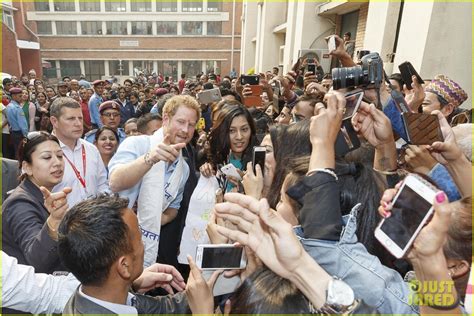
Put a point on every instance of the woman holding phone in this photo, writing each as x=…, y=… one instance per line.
x=231, y=141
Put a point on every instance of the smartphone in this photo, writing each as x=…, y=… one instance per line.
x=411, y=209
x=407, y=71
x=353, y=100
x=311, y=67
x=422, y=129
x=220, y=257
x=209, y=96
x=346, y=140
x=258, y=158
x=231, y=170
x=252, y=80
x=332, y=43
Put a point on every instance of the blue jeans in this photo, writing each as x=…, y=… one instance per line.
x=377, y=285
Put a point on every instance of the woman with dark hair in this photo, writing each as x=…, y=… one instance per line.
x=231, y=140
x=106, y=141
x=42, y=108
x=29, y=109
x=50, y=93
x=30, y=223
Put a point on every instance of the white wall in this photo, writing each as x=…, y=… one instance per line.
x=249, y=31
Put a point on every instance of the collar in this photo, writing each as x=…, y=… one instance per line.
x=15, y=103
x=32, y=189
x=77, y=147
x=119, y=309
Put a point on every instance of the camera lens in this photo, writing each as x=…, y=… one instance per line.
x=347, y=77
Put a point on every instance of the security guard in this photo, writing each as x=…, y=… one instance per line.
x=110, y=117
x=16, y=118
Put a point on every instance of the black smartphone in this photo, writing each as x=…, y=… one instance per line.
x=311, y=67
x=258, y=158
x=346, y=140
x=252, y=80
x=407, y=71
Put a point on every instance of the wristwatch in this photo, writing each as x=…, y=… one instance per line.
x=340, y=298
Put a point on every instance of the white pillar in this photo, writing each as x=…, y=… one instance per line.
x=204, y=28
x=83, y=67
x=53, y=28
x=79, y=28
x=130, y=68
x=128, y=6
x=153, y=6
x=154, y=28
x=179, y=5
x=129, y=26
x=106, y=68
x=58, y=69
x=180, y=27
x=155, y=66
x=104, y=27
x=102, y=6
x=203, y=66
x=180, y=68
x=51, y=5
x=76, y=5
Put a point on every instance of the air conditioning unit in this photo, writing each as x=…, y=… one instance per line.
x=322, y=55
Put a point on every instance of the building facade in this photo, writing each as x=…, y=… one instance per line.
x=119, y=38
x=436, y=37
x=20, y=45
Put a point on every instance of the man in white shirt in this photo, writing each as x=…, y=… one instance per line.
x=84, y=169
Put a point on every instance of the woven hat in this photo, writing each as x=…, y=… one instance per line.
x=447, y=89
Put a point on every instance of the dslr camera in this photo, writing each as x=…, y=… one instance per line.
x=369, y=72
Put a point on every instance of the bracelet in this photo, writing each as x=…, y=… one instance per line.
x=446, y=307
x=325, y=170
x=147, y=159
x=387, y=173
x=53, y=233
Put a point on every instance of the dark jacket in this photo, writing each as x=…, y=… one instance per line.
x=127, y=111
x=25, y=232
x=171, y=304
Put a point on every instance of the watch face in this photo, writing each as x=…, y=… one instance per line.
x=340, y=293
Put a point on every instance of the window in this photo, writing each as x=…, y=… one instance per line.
x=118, y=68
x=141, y=6
x=192, y=28
x=94, y=69
x=166, y=6
x=41, y=5
x=192, y=6
x=169, y=68
x=66, y=27
x=142, y=28
x=50, y=72
x=115, y=6
x=44, y=27
x=116, y=28
x=7, y=18
x=213, y=66
x=89, y=6
x=166, y=28
x=214, y=6
x=191, y=68
x=91, y=28
x=61, y=5
x=214, y=28
x=70, y=68
x=145, y=66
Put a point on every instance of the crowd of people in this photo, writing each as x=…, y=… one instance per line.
x=107, y=171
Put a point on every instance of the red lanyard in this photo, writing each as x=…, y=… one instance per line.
x=78, y=174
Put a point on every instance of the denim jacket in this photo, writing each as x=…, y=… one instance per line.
x=375, y=284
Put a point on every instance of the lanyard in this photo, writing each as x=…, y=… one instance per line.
x=78, y=174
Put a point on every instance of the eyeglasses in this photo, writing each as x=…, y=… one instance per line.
x=111, y=115
x=461, y=118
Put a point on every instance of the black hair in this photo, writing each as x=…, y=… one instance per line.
x=103, y=129
x=208, y=86
x=28, y=147
x=264, y=292
x=92, y=236
x=348, y=34
x=226, y=85
x=219, y=136
x=143, y=121
x=398, y=78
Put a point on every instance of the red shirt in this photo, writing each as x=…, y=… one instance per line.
x=85, y=112
x=181, y=84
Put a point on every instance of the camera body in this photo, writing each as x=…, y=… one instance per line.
x=370, y=72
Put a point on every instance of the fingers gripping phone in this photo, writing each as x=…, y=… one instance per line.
x=258, y=158
x=411, y=209
x=353, y=100
x=220, y=257
x=407, y=71
x=231, y=170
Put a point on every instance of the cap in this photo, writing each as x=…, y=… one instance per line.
x=15, y=90
x=109, y=105
x=447, y=89
x=97, y=82
x=62, y=84
x=161, y=91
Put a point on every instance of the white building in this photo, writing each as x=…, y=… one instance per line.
x=436, y=37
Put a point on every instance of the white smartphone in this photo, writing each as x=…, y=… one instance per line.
x=353, y=100
x=209, y=96
x=332, y=43
x=220, y=257
x=411, y=209
x=231, y=170
x=258, y=158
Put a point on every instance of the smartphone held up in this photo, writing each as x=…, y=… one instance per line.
x=220, y=257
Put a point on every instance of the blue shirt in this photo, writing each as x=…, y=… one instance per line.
x=94, y=104
x=440, y=175
x=90, y=137
x=16, y=118
x=134, y=147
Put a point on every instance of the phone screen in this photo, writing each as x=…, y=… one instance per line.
x=352, y=104
x=226, y=258
x=408, y=212
x=259, y=158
